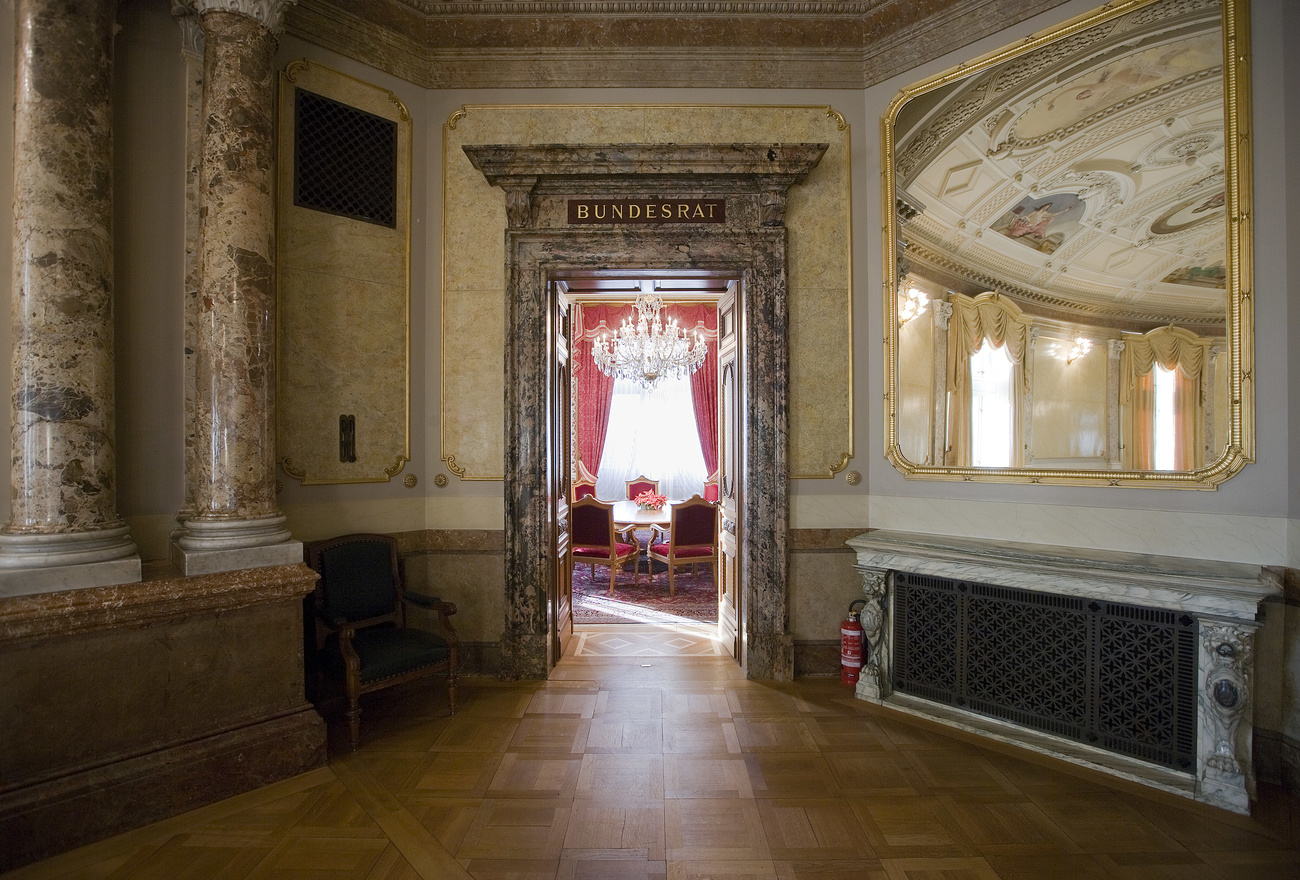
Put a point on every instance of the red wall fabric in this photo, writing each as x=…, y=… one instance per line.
x=595, y=391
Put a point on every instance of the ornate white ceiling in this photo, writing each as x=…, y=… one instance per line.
x=1086, y=177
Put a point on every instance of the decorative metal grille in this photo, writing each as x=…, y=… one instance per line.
x=1120, y=677
x=345, y=160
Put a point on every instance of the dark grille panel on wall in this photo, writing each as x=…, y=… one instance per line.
x=345, y=160
x=1116, y=676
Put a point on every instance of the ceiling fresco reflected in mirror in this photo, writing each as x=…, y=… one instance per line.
x=1069, y=294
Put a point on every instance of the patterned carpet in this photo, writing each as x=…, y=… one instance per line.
x=645, y=602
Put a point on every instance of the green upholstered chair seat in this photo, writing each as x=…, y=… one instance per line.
x=386, y=651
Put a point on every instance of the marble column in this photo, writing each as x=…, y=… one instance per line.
x=63, y=531
x=236, y=523
x=187, y=17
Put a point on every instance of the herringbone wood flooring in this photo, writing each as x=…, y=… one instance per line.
x=637, y=761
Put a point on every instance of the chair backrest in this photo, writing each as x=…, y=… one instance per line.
x=641, y=484
x=694, y=523
x=584, y=489
x=359, y=577
x=591, y=523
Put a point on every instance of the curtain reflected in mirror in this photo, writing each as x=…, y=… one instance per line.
x=1071, y=256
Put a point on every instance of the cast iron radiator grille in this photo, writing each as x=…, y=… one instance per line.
x=1120, y=677
x=345, y=160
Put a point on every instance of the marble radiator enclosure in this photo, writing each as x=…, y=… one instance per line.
x=1209, y=612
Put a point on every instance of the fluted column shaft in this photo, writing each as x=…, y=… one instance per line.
x=63, y=465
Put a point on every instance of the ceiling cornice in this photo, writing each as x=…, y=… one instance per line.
x=838, y=44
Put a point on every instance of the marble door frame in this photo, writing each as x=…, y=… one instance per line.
x=756, y=257
x=748, y=243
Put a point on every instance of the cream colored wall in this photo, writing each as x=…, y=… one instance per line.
x=342, y=298
x=1069, y=411
x=916, y=388
x=473, y=292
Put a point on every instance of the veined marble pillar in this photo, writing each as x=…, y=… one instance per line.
x=63, y=531
x=236, y=523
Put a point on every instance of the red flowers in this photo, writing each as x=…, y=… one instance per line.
x=650, y=500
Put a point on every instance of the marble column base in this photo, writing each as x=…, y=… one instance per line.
x=208, y=546
x=48, y=563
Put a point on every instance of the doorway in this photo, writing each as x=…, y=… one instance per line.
x=746, y=241
x=622, y=430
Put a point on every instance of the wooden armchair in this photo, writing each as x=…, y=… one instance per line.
x=691, y=538
x=595, y=542
x=360, y=615
x=640, y=484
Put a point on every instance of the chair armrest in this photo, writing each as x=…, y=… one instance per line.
x=658, y=534
x=628, y=534
x=433, y=603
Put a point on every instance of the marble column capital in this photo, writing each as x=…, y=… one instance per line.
x=269, y=13
x=191, y=31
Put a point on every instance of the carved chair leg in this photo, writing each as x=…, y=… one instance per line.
x=451, y=688
x=613, y=573
x=354, y=723
x=672, y=584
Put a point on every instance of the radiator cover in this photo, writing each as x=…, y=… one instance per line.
x=1117, y=676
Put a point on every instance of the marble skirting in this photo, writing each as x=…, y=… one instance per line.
x=124, y=705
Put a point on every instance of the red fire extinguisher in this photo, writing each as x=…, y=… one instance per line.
x=851, y=644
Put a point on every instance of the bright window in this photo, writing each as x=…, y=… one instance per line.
x=990, y=411
x=1166, y=425
x=653, y=434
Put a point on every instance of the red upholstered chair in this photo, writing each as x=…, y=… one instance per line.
x=594, y=540
x=584, y=489
x=692, y=538
x=711, y=487
x=641, y=484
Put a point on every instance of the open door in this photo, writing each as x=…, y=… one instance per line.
x=560, y=479
x=730, y=467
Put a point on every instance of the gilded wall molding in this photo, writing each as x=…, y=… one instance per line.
x=343, y=287
x=820, y=266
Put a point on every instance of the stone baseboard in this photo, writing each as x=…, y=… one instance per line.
x=816, y=658
x=129, y=791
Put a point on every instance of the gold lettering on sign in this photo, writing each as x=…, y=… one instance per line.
x=647, y=211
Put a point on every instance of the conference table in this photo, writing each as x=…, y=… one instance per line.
x=626, y=513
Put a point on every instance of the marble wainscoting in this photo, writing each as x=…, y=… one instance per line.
x=124, y=705
x=467, y=567
x=823, y=582
x=1223, y=598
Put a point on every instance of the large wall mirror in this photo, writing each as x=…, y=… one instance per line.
x=1069, y=299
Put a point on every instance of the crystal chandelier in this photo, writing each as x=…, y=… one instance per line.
x=650, y=349
x=911, y=304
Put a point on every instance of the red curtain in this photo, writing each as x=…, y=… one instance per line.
x=595, y=390
x=704, y=381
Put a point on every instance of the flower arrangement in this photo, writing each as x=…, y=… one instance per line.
x=650, y=500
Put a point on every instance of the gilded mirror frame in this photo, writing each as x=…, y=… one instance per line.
x=1238, y=319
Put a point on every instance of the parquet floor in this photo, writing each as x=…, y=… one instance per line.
x=637, y=761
